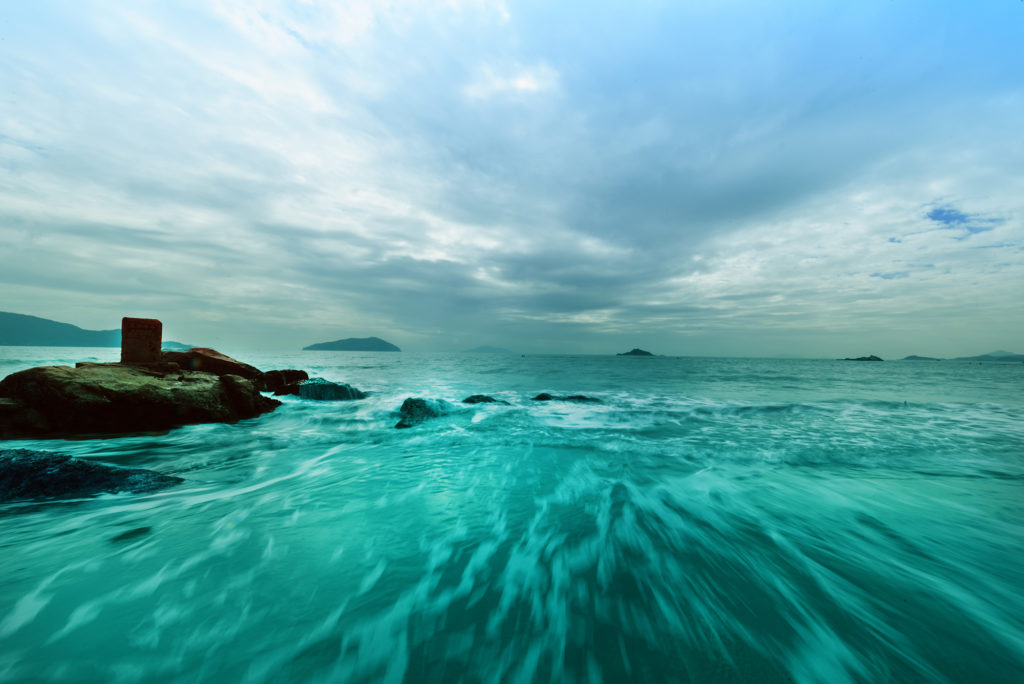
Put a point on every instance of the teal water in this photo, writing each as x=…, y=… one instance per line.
x=710, y=520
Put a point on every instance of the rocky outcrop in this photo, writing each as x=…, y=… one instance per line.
x=28, y=475
x=210, y=361
x=105, y=399
x=483, y=399
x=864, y=358
x=578, y=398
x=281, y=381
x=636, y=352
x=416, y=410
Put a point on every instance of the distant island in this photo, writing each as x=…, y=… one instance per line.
x=20, y=330
x=636, y=352
x=862, y=358
x=354, y=344
x=914, y=357
x=488, y=350
x=998, y=356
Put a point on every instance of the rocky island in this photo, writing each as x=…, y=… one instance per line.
x=862, y=358
x=354, y=344
x=636, y=352
x=149, y=390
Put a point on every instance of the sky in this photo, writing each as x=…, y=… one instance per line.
x=820, y=179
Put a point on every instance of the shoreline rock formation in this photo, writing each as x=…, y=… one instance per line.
x=27, y=475
x=148, y=391
x=635, y=351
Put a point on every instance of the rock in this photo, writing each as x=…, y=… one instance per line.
x=578, y=398
x=94, y=399
x=210, y=361
x=325, y=390
x=27, y=475
x=276, y=380
x=636, y=352
x=415, y=410
x=483, y=399
x=864, y=358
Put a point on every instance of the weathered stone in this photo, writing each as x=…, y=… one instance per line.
x=103, y=399
x=140, y=340
x=27, y=475
x=277, y=380
x=211, y=361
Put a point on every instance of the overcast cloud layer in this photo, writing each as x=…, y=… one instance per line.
x=735, y=178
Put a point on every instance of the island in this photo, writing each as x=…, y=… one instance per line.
x=636, y=352
x=998, y=356
x=354, y=344
x=914, y=357
x=862, y=358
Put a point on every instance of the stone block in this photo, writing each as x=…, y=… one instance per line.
x=140, y=340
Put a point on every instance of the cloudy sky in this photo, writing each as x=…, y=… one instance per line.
x=736, y=178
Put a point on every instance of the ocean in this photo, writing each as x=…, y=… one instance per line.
x=709, y=520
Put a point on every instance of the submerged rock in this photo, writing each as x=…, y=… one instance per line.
x=483, y=399
x=416, y=410
x=578, y=398
x=27, y=475
x=94, y=399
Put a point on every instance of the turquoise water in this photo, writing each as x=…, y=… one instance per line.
x=709, y=520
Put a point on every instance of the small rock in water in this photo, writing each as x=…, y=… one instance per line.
x=578, y=398
x=483, y=399
x=26, y=474
x=132, y=534
x=415, y=410
x=325, y=390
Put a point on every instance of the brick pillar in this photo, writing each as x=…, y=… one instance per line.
x=140, y=340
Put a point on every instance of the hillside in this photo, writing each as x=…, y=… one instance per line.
x=32, y=331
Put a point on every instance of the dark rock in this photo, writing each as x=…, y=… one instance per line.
x=132, y=534
x=636, y=352
x=579, y=398
x=277, y=380
x=94, y=399
x=210, y=361
x=483, y=399
x=325, y=390
x=27, y=475
x=415, y=410
x=864, y=358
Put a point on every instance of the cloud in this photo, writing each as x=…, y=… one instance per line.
x=547, y=177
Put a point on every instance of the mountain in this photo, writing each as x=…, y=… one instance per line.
x=354, y=344
x=488, y=350
x=996, y=356
x=32, y=331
